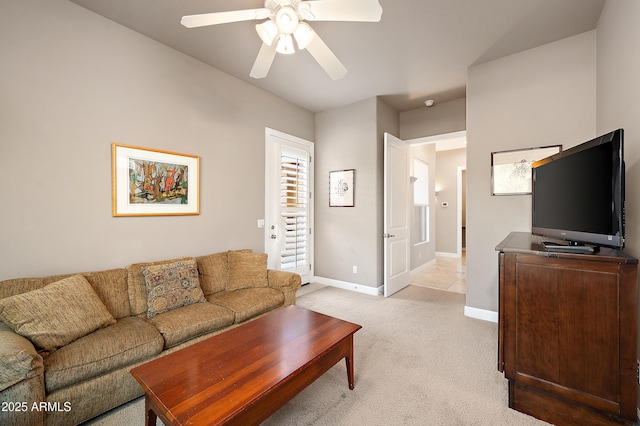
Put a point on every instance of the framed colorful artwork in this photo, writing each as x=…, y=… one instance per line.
x=151, y=182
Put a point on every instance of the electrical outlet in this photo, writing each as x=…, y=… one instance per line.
x=355, y=269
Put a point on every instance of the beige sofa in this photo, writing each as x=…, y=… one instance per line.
x=91, y=329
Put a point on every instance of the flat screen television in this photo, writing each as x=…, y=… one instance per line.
x=578, y=195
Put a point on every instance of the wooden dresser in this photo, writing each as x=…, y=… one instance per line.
x=567, y=332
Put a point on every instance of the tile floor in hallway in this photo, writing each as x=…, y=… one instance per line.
x=445, y=273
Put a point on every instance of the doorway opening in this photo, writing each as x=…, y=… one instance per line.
x=446, y=270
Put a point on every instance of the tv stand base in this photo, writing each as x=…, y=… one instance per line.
x=569, y=248
x=558, y=411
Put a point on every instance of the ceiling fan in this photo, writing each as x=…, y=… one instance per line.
x=285, y=21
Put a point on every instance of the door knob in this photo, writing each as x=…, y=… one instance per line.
x=389, y=235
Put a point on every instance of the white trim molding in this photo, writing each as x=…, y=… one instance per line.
x=480, y=314
x=444, y=142
x=373, y=291
x=449, y=254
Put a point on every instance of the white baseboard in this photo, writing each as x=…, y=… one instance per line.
x=469, y=311
x=447, y=254
x=373, y=291
x=481, y=314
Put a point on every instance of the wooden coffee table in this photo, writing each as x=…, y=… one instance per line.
x=244, y=375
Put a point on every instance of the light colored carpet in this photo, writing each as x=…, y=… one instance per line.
x=418, y=361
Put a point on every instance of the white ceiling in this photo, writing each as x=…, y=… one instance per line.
x=420, y=50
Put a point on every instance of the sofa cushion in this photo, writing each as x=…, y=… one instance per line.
x=137, y=286
x=190, y=321
x=247, y=270
x=249, y=302
x=171, y=286
x=214, y=272
x=18, y=358
x=110, y=286
x=56, y=314
x=126, y=342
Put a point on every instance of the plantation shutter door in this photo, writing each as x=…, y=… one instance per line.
x=294, y=195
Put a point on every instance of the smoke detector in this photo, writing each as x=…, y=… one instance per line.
x=429, y=102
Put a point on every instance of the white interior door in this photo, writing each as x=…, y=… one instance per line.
x=396, y=214
x=289, y=204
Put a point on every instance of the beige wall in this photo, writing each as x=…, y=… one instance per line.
x=618, y=95
x=447, y=164
x=72, y=83
x=445, y=117
x=350, y=137
x=542, y=96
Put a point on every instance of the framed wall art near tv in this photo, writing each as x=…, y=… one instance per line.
x=511, y=170
x=152, y=182
x=341, y=188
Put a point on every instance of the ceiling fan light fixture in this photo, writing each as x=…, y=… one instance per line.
x=268, y=31
x=285, y=44
x=304, y=35
x=287, y=19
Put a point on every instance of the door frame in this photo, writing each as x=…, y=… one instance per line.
x=272, y=151
x=461, y=169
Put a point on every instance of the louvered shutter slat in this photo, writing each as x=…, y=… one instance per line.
x=293, y=196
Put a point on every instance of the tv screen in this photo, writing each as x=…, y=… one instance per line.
x=578, y=194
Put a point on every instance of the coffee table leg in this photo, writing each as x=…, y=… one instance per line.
x=349, y=360
x=149, y=413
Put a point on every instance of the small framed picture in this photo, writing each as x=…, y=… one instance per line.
x=341, y=188
x=511, y=170
x=151, y=182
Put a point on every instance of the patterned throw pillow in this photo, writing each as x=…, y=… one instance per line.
x=171, y=286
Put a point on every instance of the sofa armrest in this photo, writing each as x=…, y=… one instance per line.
x=19, y=359
x=283, y=281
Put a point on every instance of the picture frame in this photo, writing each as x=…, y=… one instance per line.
x=511, y=170
x=342, y=188
x=153, y=182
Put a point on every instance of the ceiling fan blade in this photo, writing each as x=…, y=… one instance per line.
x=341, y=10
x=326, y=58
x=204, y=19
x=264, y=60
